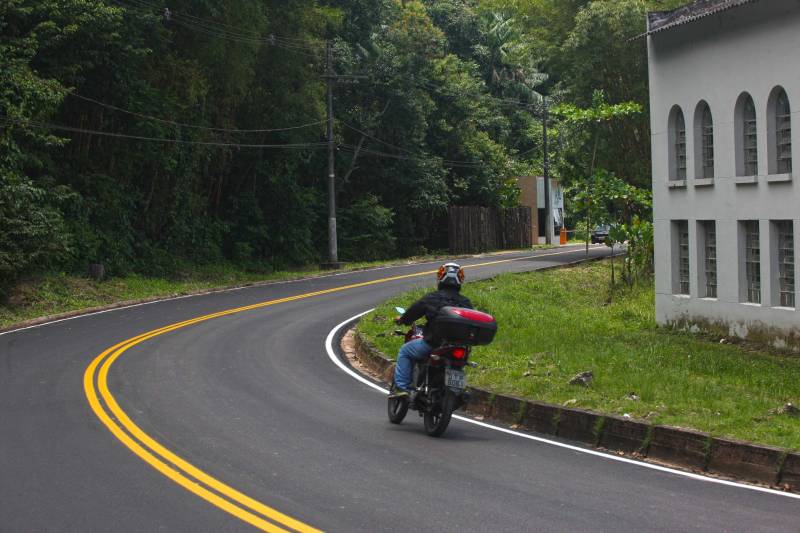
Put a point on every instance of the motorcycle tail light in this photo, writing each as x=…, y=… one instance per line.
x=459, y=353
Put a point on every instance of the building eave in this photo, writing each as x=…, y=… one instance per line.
x=658, y=21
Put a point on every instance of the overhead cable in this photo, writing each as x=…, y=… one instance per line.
x=365, y=134
x=314, y=54
x=454, y=94
x=409, y=157
x=44, y=125
x=192, y=126
x=213, y=24
x=218, y=30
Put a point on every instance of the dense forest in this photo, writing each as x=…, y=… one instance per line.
x=144, y=134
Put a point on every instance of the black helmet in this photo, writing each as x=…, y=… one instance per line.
x=450, y=275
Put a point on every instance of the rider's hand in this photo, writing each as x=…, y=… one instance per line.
x=397, y=321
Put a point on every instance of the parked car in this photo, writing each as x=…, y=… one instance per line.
x=600, y=233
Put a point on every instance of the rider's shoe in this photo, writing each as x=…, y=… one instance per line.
x=399, y=393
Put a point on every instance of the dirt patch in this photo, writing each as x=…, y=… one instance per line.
x=350, y=352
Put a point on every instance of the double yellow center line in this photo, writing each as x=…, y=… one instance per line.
x=188, y=476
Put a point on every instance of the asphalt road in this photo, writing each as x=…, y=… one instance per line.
x=251, y=400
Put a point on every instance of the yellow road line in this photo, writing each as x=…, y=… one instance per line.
x=177, y=468
x=163, y=468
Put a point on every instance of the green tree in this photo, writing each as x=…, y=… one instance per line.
x=43, y=44
x=590, y=123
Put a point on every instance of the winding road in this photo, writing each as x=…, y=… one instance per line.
x=224, y=412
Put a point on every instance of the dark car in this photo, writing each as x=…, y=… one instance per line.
x=600, y=233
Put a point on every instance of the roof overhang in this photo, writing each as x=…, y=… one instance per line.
x=658, y=21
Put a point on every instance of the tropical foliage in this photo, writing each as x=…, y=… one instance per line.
x=144, y=135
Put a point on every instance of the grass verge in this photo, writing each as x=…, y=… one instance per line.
x=555, y=324
x=53, y=294
x=59, y=293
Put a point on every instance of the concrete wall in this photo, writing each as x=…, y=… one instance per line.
x=532, y=195
x=753, y=48
x=528, y=197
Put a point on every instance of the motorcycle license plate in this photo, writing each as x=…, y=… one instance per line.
x=454, y=378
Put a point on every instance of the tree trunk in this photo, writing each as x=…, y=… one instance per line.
x=591, y=174
x=613, y=281
x=353, y=166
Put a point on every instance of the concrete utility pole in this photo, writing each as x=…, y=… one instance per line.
x=333, y=251
x=332, y=78
x=548, y=199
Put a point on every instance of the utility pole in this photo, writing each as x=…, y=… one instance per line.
x=333, y=252
x=333, y=78
x=548, y=199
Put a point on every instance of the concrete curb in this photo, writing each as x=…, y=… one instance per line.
x=676, y=447
x=129, y=303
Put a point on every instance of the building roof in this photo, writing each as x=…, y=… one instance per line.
x=664, y=20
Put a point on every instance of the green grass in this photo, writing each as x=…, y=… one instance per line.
x=52, y=294
x=553, y=325
x=58, y=293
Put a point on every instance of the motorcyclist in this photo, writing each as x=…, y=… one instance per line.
x=449, y=278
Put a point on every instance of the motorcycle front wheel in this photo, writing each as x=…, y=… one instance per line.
x=397, y=409
x=436, y=422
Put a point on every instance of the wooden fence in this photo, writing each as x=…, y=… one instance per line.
x=481, y=229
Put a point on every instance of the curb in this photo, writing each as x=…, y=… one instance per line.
x=677, y=447
x=224, y=288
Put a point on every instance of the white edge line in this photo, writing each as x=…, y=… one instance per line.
x=355, y=375
x=252, y=286
x=339, y=363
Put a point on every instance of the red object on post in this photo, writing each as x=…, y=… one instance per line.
x=563, y=235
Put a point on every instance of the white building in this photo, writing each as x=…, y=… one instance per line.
x=724, y=95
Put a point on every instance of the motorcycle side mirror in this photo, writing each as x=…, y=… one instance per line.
x=400, y=310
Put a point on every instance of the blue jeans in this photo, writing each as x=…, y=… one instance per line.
x=416, y=350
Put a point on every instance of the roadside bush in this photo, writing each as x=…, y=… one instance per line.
x=581, y=233
x=639, y=259
x=32, y=232
x=366, y=231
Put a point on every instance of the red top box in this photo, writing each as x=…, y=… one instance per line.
x=457, y=325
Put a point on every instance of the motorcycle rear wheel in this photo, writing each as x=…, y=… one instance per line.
x=436, y=422
x=397, y=409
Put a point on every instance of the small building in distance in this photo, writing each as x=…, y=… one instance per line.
x=532, y=195
x=724, y=96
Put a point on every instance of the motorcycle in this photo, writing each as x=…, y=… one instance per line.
x=439, y=382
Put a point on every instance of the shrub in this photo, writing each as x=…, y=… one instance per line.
x=367, y=231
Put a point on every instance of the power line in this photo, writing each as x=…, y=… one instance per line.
x=192, y=126
x=512, y=101
x=44, y=125
x=454, y=94
x=219, y=30
x=315, y=54
x=234, y=34
x=411, y=157
x=365, y=134
x=263, y=41
x=213, y=24
x=300, y=46
x=526, y=152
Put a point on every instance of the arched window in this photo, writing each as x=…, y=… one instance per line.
x=703, y=141
x=746, y=137
x=779, y=122
x=677, y=145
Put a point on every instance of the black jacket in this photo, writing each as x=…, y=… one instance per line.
x=430, y=304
